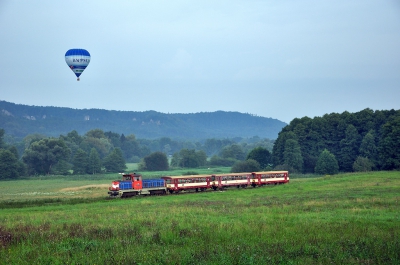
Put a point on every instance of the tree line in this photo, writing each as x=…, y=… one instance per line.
x=97, y=152
x=346, y=142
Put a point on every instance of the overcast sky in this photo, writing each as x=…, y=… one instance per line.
x=281, y=59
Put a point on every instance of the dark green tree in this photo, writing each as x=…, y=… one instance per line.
x=233, y=151
x=21, y=166
x=72, y=140
x=389, y=145
x=94, y=162
x=279, y=146
x=156, y=161
x=362, y=164
x=9, y=168
x=96, y=139
x=96, y=133
x=261, y=155
x=219, y=161
x=327, y=164
x=114, y=138
x=115, y=162
x=292, y=156
x=130, y=147
x=349, y=147
x=74, y=137
x=42, y=155
x=189, y=158
x=62, y=167
x=249, y=165
x=14, y=150
x=2, y=144
x=80, y=162
x=369, y=149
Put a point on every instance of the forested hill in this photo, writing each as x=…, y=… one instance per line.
x=21, y=120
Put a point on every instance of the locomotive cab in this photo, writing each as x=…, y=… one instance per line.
x=136, y=180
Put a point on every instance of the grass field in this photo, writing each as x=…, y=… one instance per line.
x=341, y=219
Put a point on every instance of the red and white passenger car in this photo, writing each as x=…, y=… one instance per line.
x=269, y=177
x=187, y=183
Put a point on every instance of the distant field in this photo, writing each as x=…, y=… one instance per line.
x=341, y=219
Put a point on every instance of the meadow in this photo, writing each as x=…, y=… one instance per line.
x=340, y=219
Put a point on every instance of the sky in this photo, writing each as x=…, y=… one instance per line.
x=278, y=59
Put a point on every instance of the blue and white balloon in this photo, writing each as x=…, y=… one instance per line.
x=77, y=60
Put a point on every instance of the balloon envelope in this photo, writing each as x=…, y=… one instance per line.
x=77, y=60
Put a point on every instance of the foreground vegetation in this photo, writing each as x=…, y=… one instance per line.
x=341, y=219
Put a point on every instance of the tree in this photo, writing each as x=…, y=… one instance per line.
x=292, y=155
x=349, y=147
x=72, y=140
x=261, y=155
x=80, y=162
x=213, y=146
x=96, y=133
x=369, y=149
x=233, y=151
x=2, y=144
x=362, y=164
x=279, y=146
x=326, y=164
x=42, y=155
x=389, y=145
x=219, y=161
x=114, y=138
x=9, y=168
x=21, y=166
x=94, y=162
x=102, y=145
x=156, y=161
x=249, y=165
x=114, y=162
x=62, y=167
x=189, y=158
x=130, y=147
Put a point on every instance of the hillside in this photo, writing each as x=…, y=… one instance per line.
x=20, y=120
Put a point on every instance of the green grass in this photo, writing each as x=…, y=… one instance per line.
x=341, y=219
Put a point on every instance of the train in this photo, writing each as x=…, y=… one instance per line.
x=133, y=184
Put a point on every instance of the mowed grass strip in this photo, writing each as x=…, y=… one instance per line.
x=341, y=219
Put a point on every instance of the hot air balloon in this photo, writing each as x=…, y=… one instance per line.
x=77, y=60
